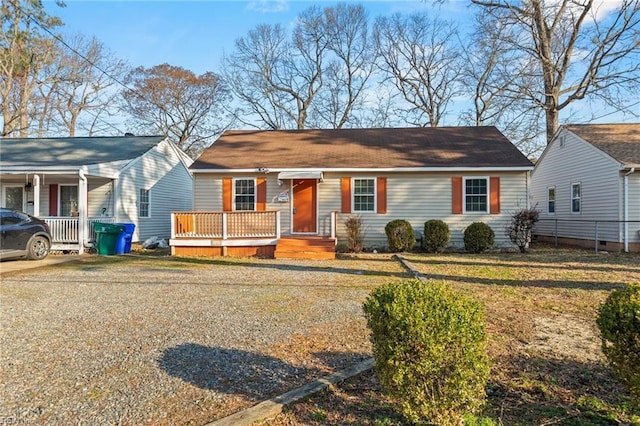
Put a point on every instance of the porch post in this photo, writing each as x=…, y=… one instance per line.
x=82, y=210
x=36, y=195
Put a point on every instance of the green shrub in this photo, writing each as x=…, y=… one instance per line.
x=478, y=237
x=436, y=236
x=521, y=227
x=355, y=233
x=400, y=235
x=429, y=346
x=619, y=323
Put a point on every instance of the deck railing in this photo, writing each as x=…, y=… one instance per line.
x=64, y=230
x=224, y=225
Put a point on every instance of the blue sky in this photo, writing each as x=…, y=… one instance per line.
x=194, y=34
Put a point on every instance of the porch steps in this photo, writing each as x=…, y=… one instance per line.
x=306, y=248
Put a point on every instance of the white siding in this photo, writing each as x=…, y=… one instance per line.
x=416, y=197
x=634, y=206
x=170, y=189
x=577, y=161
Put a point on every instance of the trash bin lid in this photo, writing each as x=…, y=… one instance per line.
x=108, y=228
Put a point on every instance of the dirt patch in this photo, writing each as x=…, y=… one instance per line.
x=565, y=336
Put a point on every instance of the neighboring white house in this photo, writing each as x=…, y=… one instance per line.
x=75, y=182
x=305, y=183
x=587, y=186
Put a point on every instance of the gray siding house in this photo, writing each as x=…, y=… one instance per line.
x=587, y=181
x=310, y=181
x=74, y=182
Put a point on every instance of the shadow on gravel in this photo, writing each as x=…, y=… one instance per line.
x=238, y=372
x=293, y=265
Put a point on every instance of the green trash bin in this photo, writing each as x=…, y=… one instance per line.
x=107, y=235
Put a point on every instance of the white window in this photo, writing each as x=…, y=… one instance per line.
x=576, y=198
x=551, y=200
x=364, y=195
x=476, y=195
x=143, y=203
x=68, y=200
x=244, y=195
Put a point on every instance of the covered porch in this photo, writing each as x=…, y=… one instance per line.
x=245, y=233
x=61, y=199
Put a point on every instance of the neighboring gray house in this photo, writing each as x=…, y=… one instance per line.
x=266, y=192
x=75, y=182
x=588, y=180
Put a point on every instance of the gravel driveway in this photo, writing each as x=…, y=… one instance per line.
x=144, y=340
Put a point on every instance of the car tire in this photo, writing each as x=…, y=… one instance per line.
x=38, y=248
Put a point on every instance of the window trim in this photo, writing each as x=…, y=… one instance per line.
x=579, y=198
x=487, y=195
x=555, y=198
x=60, y=186
x=148, y=203
x=375, y=194
x=255, y=193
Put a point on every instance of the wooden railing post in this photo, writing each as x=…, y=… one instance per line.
x=224, y=226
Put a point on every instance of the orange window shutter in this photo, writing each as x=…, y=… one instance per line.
x=53, y=199
x=382, y=195
x=261, y=201
x=456, y=191
x=346, y=195
x=227, y=194
x=494, y=197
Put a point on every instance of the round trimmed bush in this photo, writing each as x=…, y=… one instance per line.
x=400, y=235
x=436, y=236
x=429, y=346
x=478, y=237
x=619, y=324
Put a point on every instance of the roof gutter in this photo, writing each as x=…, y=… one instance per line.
x=626, y=208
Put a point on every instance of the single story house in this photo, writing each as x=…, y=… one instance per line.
x=268, y=192
x=74, y=182
x=587, y=186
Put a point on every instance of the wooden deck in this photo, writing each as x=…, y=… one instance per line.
x=244, y=233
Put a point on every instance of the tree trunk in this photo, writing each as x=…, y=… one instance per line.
x=552, y=123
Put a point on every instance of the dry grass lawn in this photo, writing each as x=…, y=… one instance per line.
x=540, y=312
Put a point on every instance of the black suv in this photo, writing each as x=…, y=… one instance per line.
x=23, y=235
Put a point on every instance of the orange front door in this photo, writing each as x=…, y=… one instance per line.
x=304, y=205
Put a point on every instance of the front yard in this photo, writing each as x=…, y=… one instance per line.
x=547, y=364
x=165, y=341
x=159, y=340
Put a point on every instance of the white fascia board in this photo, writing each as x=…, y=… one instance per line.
x=377, y=170
x=627, y=167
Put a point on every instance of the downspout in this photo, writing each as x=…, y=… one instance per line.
x=36, y=195
x=82, y=211
x=626, y=209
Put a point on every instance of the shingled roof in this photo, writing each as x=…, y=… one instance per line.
x=422, y=147
x=72, y=152
x=620, y=141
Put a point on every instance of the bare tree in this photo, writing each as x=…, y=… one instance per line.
x=83, y=82
x=488, y=75
x=173, y=101
x=420, y=55
x=578, y=51
x=275, y=79
x=350, y=66
x=24, y=52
